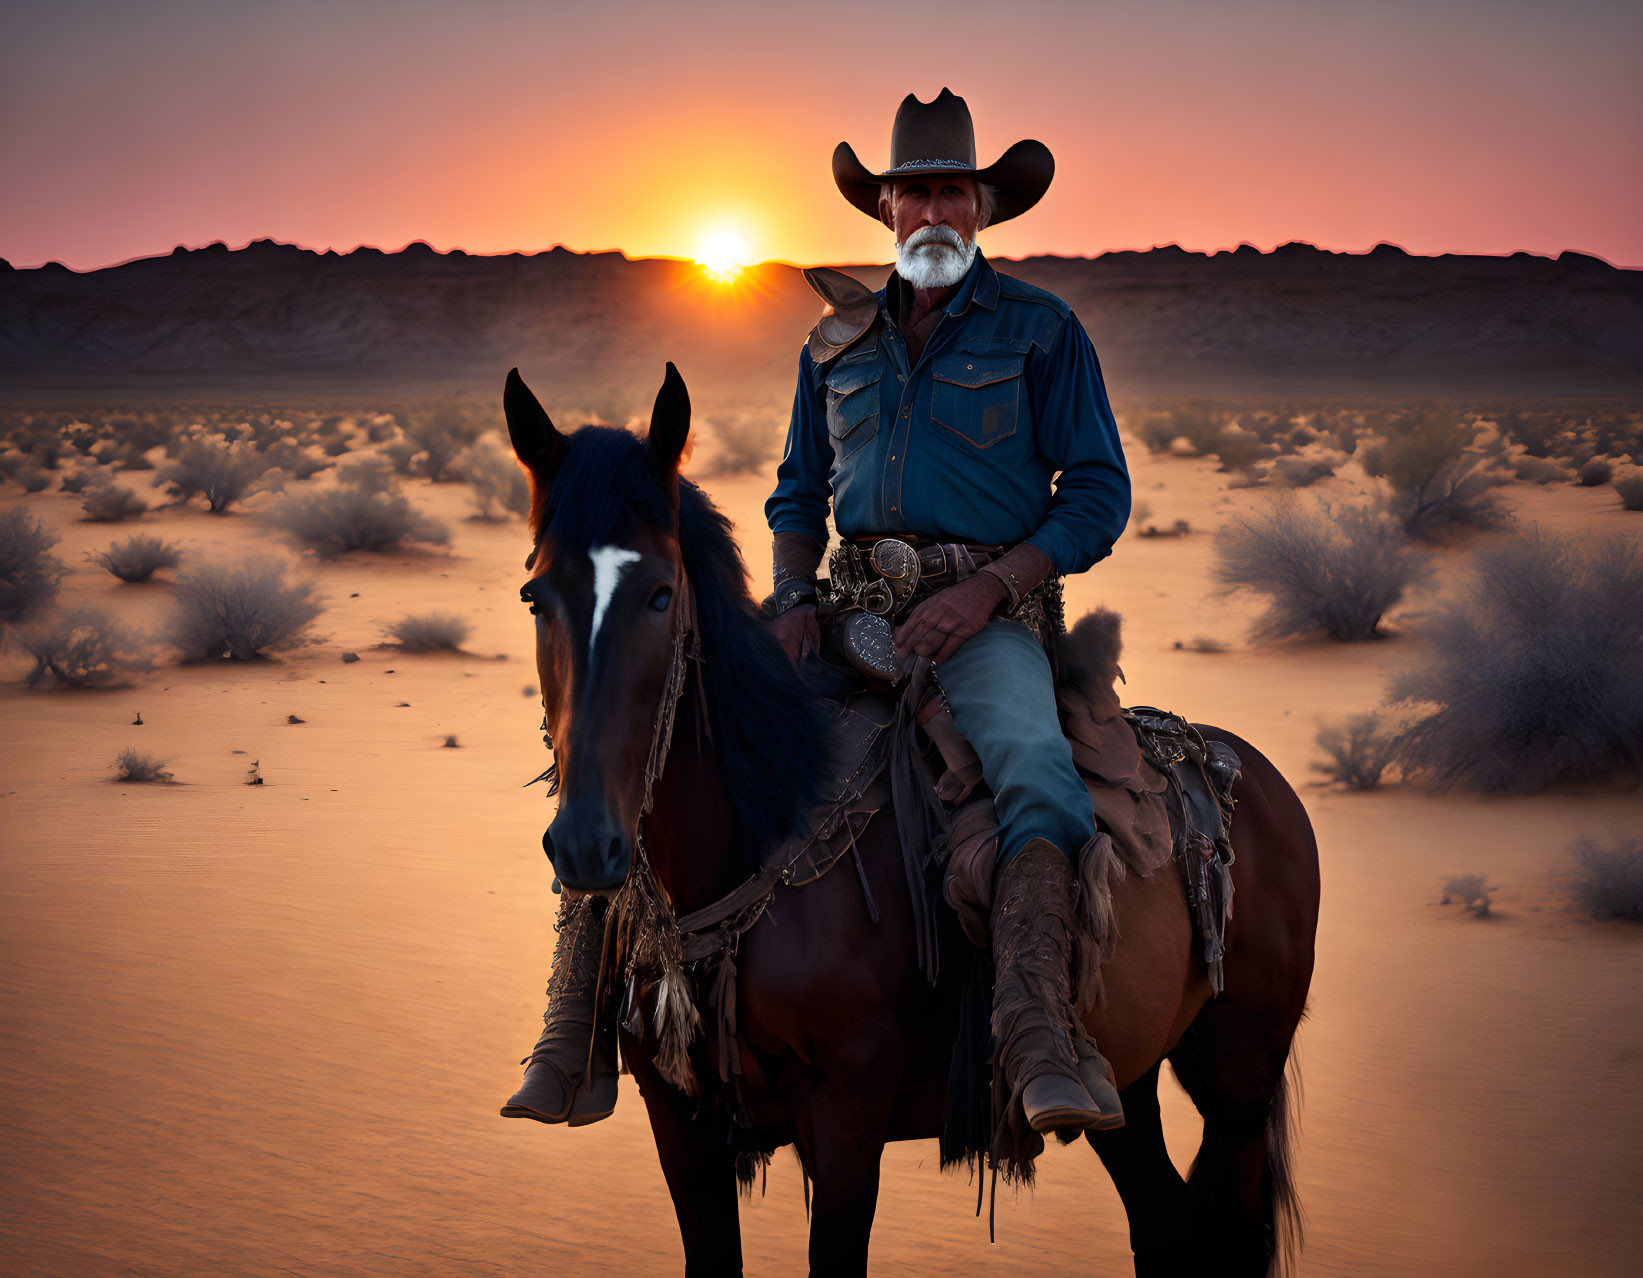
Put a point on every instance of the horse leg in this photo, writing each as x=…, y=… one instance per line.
x=1156, y=1199
x=840, y=1128
x=700, y=1167
x=1232, y=1067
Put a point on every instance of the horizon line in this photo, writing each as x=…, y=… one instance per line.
x=457, y=250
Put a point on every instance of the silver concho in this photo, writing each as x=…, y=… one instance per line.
x=898, y=566
x=869, y=646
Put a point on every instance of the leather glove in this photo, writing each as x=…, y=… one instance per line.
x=937, y=627
x=798, y=632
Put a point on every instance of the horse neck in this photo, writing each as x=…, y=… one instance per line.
x=690, y=830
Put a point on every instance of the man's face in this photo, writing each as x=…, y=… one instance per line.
x=935, y=200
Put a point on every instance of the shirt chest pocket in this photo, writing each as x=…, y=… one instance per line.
x=978, y=397
x=853, y=404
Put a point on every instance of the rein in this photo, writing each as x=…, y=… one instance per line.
x=648, y=939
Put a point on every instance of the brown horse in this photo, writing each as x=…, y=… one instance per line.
x=844, y=1043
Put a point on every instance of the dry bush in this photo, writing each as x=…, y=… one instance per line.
x=137, y=558
x=213, y=468
x=81, y=648
x=1471, y=890
x=296, y=460
x=430, y=632
x=1334, y=570
x=1157, y=432
x=76, y=482
x=1140, y=512
x=29, y=572
x=362, y=512
x=500, y=487
x=34, y=479
x=1630, y=488
x=240, y=611
x=1609, y=878
x=1440, y=477
x=1303, y=472
x=110, y=503
x=434, y=437
x=1534, y=669
x=1357, y=751
x=133, y=765
x=1595, y=473
x=1538, y=470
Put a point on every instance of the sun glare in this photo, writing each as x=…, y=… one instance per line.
x=722, y=255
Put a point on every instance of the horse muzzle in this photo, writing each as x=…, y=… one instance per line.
x=589, y=850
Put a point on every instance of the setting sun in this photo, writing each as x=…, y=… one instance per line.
x=722, y=255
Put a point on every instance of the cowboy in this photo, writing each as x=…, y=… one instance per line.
x=937, y=413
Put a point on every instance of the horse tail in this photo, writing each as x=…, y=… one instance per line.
x=1283, y=1200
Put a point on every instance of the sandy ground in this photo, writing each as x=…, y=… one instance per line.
x=266, y=1030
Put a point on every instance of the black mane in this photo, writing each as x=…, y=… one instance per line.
x=766, y=724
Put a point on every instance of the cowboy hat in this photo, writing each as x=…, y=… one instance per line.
x=938, y=137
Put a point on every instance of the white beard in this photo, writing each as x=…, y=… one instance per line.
x=930, y=259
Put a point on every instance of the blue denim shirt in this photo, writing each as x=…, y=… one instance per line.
x=964, y=446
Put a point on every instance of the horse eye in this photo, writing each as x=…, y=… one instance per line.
x=661, y=599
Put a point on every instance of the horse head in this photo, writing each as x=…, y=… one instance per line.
x=606, y=585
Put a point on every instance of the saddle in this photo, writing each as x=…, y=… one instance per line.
x=1159, y=791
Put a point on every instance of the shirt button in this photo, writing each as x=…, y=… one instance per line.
x=892, y=457
x=892, y=508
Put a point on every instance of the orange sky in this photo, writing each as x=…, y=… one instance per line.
x=499, y=125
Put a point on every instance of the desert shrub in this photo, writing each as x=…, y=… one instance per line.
x=1238, y=448
x=29, y=572
x=134, y=765
x=1630, y=488
x=434, y=436
x=240, y=611
x=1157, y=432
x=1301, y=436
x=294, y=459
x=122, y=456
x=1333, y=570
x=1471, y=890
x=1357, y=751
x=110, y=503
x=1302, y=472
x=213, y=468
x=1538, y=470
x=1609, y=878
x=1534, y=672
x=1140, y=512
x=430, y=632
x=81, y=648
x=1595, y=473
x=34, y=479
x=1440, y=477
x=498, y=480
x=77, y=481
x=138, y=558
x=362, y=512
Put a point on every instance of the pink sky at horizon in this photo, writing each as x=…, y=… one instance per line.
x=1464, y=126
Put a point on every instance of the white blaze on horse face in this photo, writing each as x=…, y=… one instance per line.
x=609, y=562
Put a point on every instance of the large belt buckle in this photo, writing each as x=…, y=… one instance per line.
x=897, y=564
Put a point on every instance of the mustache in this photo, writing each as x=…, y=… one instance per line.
x=943, y=235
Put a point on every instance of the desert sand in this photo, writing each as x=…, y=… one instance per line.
x=267, y=1029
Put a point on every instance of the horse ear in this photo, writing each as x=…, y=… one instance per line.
x=669, y=422
x=536, y=441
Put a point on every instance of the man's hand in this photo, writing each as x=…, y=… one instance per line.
x=947, y=618
x=798, y=632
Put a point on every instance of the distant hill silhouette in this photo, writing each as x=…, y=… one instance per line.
x=1294, y=321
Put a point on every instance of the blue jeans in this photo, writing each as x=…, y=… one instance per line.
x=999, y=688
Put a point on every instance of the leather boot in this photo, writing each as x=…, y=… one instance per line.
x=561, y=1085
x=1032, y=997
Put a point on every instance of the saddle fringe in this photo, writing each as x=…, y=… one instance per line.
x=1095, y=923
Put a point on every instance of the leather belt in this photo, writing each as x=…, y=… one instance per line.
x=882, y=574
